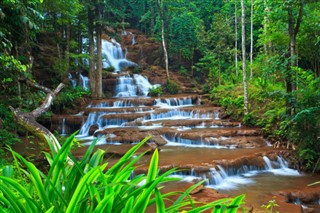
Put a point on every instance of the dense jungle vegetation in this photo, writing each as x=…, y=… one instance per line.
x=259, y=59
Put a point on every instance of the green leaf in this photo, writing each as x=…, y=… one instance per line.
x=35, y=179
x=159, y=202
x=30, y=206
x=153, y=167
x=82, y=188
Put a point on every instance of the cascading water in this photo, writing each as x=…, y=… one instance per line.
x=73, y=81
x=229, y=178
x=85, y=82
x=114, y=56
x=132, y=87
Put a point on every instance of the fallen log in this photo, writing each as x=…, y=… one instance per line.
x=28, y=119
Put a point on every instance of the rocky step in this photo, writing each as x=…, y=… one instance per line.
x=214, y=138
x=236, y=165
x=187, y=123
x=173, y=100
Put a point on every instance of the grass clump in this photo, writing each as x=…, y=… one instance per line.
x=87, y=185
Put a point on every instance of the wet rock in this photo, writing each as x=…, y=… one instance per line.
x=93, y=128
x=158, y=140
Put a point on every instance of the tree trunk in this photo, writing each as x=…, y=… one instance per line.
x=236, y=37
x=67, y=51
x=99, y=51
x=244, y=68
x=99, y=63
x=28, y=119
x=251, y=38
x=92, y=76
x=293, y=29
x=163, y=39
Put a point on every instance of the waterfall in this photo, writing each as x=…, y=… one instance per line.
x=268, y=163
x=73, y=81
x=143, y=85
x=114, y=56
x=63, y=126
x=125, y=87
x=133, y=41
x=222, y=178
x=85, y=82
x=132, y=87
x=173, y=102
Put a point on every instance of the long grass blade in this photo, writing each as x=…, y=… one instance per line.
x=82, y=187
x=143, y=201
x=129, y=205
x=35, y=179
x=153, y=167
x=235, y=204
x=125, y=158
x=59, y=162
x=14, y=201
x=159, y=202
x=22, y=191
x=105, y=205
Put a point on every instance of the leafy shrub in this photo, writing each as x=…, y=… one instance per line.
x=136, y=70
x=69, y=97
x=88, y=186
x=155, y=91
x=172, y=87
x=109, y=69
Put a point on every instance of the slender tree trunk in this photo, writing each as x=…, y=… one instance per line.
x=265, y=26
x=251, y=38
x=244, y=68
x=92, y=76
x=79, y=45
x=163, y=39
x=293, y=29
x=67, y=50
x=236, y=37
x=99, y=55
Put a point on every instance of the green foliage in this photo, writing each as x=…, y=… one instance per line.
x=89, y=186
x=155, y=91
x=60, y=68
x=7, y=129
x=172, y=87
x=69, y=98
x=269, y=207
x=109, y=69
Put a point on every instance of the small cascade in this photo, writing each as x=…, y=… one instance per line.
x=85, y=82
x=217, y=115
x=132, y=87
x=93, y=118
x=73, y=81
x=133, y=41
x=114, y=56
x=177, y=114
x=63, y=127
x=222, y=178
x=143, y=85
x=177, y=140
x=173, y=102
x=125, y=87
x=123, y=103
x=267, y=162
